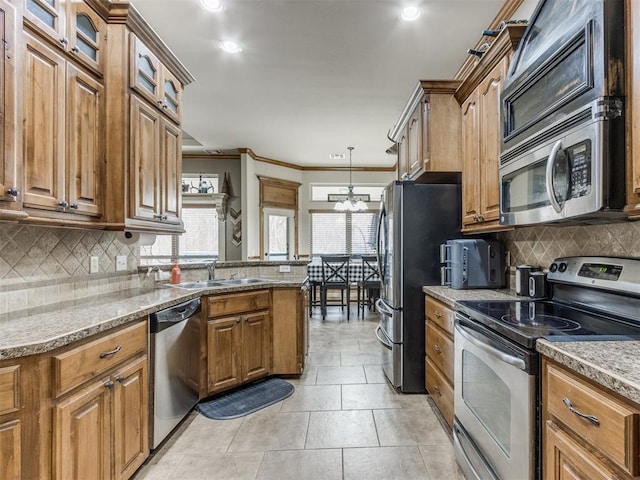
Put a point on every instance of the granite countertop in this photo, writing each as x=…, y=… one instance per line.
x=612, y=364
x=43, y=329
x=450, y=296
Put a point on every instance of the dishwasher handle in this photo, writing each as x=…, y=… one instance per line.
x=168, y=317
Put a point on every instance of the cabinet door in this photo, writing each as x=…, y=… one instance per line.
x=224, y=340
x=171, y=95
x=85, y=142
x=145, y=72
x=9, y=188
x=470, y=160
x=414, y=140
x=10, y=451
x=48, y=17
x=82, y=433
x=144, y=158
x=403, y=155
x=256, y=346
x=564, y=459
x=87, y=36
x=44, y=129
x=131, y=418
x=171, y=168
x=490, y=138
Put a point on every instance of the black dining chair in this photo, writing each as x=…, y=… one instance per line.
x=369, y=283
x=335, y=276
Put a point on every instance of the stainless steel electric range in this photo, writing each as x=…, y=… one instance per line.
x=497, y=382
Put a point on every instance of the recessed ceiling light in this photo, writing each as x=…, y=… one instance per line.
x=213, y=5
x=336, y=156
x=230, y=47
x=410, y=14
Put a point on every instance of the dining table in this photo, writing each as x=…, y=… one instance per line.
x=314, y=271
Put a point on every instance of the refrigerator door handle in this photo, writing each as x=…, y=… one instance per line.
x=381, y=266
x=383, y=308
x=382, y=338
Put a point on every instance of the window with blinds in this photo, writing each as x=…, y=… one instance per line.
x=353, y=233
x=199, y=241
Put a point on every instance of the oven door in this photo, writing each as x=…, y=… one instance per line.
x=495, y=402
x=561, y=179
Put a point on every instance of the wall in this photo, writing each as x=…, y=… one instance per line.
x=43, y=265
x=541, y=244
x=220, y=166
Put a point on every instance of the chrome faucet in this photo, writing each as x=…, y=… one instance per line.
x=212, y=269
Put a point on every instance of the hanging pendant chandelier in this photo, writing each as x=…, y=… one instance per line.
x=350, y=204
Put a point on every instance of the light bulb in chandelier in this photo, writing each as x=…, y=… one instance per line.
x=350, y=204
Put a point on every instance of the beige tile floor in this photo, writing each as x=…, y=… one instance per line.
x=343, y=421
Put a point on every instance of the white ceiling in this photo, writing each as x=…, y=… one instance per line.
x=315, y=76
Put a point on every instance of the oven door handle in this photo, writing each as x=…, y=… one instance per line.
x=549, y=176
x=505, y=357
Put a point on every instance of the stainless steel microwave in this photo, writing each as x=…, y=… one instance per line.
x=562, y=112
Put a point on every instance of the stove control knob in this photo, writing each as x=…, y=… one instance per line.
x=562, y=267
x=553, y=267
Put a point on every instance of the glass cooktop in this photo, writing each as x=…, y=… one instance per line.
x=524, y=321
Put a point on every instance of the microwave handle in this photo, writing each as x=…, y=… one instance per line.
x=549, y=176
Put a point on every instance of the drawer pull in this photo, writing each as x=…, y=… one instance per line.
x=437, y=314
x=592, y=418
x=437, y=349
x=111, y=352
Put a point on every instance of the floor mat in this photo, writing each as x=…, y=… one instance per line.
x=246, y=400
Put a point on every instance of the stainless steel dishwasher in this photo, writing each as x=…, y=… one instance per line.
x=175, y=348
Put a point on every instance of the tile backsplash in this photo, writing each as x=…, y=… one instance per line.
x=540, y=245
x=43, y=265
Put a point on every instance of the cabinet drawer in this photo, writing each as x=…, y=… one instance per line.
x=237, y=302
x=9, y=389
x=616, y=435
x=82, y=363
x=440, y=350
x=441, y=391
x=440, y=314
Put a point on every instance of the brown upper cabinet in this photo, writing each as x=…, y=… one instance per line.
x=428, y=132
x=479, y=97
x=145, y=87
x=10, y=188
x=74, y=27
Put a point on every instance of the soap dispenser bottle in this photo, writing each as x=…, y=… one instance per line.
x=175, y=273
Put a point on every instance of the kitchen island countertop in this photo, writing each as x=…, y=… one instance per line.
x=42, y=329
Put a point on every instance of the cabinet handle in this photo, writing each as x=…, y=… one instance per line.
x=74, y=206
x=13, y=191
x=592, y=418
x=75, y=49
x=64, y=41
x=238, y=320
x=120, y=378
x=109, y=384
x=111, y=352
x=160, y=217
x=63, y=204
x=437, y=349
x=437, y=314
x=437, y=390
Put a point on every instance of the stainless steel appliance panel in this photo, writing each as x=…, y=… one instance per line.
x=415, y=220
x=174, y=353
x=495, y=400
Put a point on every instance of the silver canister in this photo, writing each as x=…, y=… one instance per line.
x=522, y=278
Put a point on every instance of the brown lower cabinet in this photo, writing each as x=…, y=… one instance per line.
x=606, y=446
x=238, y=344
x=439, y=355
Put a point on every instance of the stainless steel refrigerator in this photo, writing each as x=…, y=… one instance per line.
x=414, y=220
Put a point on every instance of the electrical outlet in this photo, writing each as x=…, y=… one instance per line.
x=121, y=262
x=285, y=268
x=94, y=265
